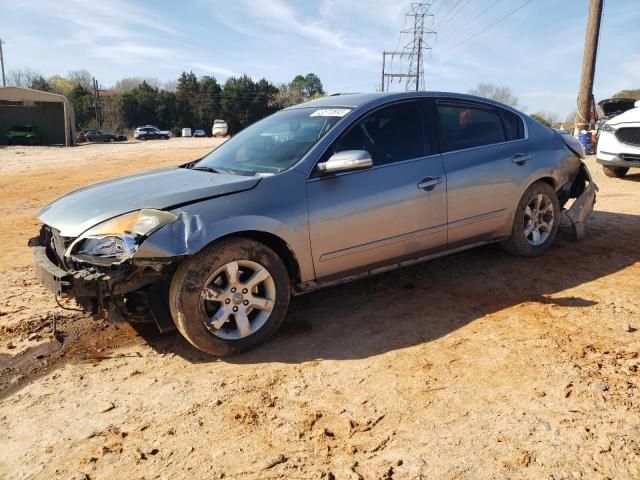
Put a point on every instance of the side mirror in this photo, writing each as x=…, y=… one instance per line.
x=345, y=161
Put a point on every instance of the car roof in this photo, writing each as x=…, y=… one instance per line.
x=355, y=100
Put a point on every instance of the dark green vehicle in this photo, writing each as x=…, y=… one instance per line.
x=23, y=135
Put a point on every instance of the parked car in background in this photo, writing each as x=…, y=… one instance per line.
x=101, y=136
x=619, y=143
x=23, y=135
x=199, y=133
x=151, y=133
x=220, y=128
x=324, y=192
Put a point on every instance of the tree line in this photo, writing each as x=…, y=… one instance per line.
x=190, y=101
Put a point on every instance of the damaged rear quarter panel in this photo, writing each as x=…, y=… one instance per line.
x=203, y=222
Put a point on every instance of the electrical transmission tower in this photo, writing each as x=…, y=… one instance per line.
x=413, y=51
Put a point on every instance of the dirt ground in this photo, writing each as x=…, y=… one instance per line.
x=475, y=366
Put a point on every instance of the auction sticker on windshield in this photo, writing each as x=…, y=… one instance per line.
x=330, y=112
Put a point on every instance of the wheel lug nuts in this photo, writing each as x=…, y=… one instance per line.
x=244, y=290
x=233, y=290
x=235, y=309
x=227, y=301
x=245, y=303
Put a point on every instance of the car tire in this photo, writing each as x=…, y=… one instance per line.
x=534, y=229
x=615, y=172
x=202, y=293
x=142, y=138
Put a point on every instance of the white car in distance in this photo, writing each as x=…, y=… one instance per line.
x=619, y=143
x=220, y=128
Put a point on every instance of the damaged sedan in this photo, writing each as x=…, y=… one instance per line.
x=324, y=192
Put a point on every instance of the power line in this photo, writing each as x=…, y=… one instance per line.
x=493, y=24
x=475, y=17
x=454, y=15
x=447, y=14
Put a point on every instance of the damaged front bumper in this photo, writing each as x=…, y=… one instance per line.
x=100, y=292
x=574, y=218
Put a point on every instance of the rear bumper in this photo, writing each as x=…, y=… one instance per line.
x=575, y=217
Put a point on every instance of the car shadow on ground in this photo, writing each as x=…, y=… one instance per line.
x=424, y=302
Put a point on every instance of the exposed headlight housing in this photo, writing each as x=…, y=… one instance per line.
x=118, y=239
x=608, y=128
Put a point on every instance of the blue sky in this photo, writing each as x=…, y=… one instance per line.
x=536, y=51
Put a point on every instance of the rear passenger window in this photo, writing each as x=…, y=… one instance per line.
x=466, y=126
x=391, y=134
x=513, y=125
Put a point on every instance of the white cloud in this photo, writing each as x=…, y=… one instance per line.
x=277, y=21
x=225, y=72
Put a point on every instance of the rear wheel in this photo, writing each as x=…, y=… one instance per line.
x=615, y=172
x=536, y=222
x=230, y=297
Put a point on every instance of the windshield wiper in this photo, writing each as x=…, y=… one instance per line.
x=213, y=170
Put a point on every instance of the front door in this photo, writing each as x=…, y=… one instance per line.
x=393, y=211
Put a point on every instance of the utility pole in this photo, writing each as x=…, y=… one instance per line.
x=4, y=82
x=413, y=50
x=585, y=97
x=96, y=102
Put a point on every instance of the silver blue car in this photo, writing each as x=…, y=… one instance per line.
x=324, y=192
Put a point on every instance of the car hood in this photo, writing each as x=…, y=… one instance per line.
x=75, y=212
x=616, y=105
x=630, y=116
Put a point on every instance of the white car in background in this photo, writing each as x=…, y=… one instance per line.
x=220, y=128
x=619, y=143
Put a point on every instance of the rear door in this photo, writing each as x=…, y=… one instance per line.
x=484, y=157
x=395, y=210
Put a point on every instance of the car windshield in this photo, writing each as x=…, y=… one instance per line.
x=274, y=144
x=22, y=128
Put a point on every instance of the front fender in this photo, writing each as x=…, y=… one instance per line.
x=189, y=234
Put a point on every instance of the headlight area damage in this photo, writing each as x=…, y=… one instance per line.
x=99, y=271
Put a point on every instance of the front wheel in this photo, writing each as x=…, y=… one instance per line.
x=536, y=222
x=615, y=172
x=230, y=297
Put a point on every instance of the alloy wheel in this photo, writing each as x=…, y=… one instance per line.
x=539, y=217
x=237, y=299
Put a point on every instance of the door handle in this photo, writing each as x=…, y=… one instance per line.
x=429, y=183
x=520, y=159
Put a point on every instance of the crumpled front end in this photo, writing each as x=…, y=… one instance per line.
x=129, y=290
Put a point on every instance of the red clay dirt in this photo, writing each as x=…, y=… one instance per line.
x=475, y=366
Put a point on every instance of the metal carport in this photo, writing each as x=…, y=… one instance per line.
x=51, y=113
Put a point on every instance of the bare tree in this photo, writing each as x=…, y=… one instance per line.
x=81, y=77
x=24, y=77
x=502, y=94
x=570, y=120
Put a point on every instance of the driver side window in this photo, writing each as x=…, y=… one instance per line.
x=390, y=134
